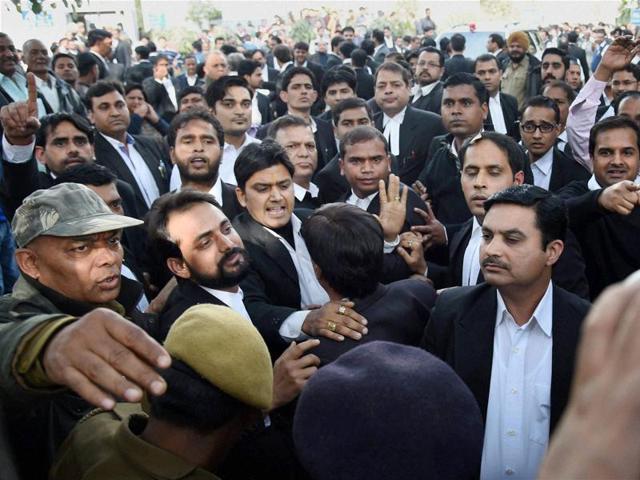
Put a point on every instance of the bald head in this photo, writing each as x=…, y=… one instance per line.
x=216, y=65
x=36, y=56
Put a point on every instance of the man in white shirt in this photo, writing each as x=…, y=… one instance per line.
x=296, y=137
x=512, y=339
x=539, y=128
x=282, y=293
x=195, y=140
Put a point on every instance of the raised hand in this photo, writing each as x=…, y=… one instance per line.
x=393, y=207
x=616, y=56
x=20, y=119
x=410, y=249
x=433, y=232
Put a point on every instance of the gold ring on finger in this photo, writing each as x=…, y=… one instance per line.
x=397, y=198
x=342, y=309
x=410, y=243
x=331, y=326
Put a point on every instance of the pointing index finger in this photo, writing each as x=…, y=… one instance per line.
x=32, y=100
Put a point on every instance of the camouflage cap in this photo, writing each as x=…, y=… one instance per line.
x=65, y=210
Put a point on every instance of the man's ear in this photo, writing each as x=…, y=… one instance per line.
x=27, y=261
x=317, y=271
x=554, y=249
x=39, y=154
x=518, y=178
x=178, y=267
x=485, y=110
x=172, y=155
x=341, y=163
x=241, y=197
x=284, y=96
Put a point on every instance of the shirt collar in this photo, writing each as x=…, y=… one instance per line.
x=593, y=184
x=223, y=295
x=495, y=100
x=545, y=162
x=216, y=190
x=295, y=225
x=476, y=226
x=117, y=143
x=427, y=89
x=542, y=315
x=299, y=191
x=398, y=117
x=353, y=198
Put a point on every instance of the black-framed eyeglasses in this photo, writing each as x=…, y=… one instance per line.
x=530, y=127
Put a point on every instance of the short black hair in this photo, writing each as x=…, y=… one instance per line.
x=542, y=102
x=158, y=58
x=346, y=243
x=87, y=174
x=572, y=36
x=301, y=46
x=346, y=48
x=395, y=68
x=463, y=78
x=368, y=46
x=618, y=101
x=611, y=123
x=631, y=68
x=378, y=35
x=58, y=56
x=282, y=53
x=458, y=42
x=129, y=87
x=411, y=54
x=339, y=74
x=349, y=28
x=551, y=212
x=292, y=72
x=188, y=91
x=49, y=123
x=256, y=157
x=497, y=39
x=158, y=216
x=433, y=50
x=506, y=144
x=566, y=88
x=350, y=104
x=143, y=52
x=556, y=51
x=486, y=57
x=94, y=36
x=86, y=61
x=286, y=121
x=362, y=134
x=335, y=41
x=101, y=88
x=247, y=67
x=227, y=49
x=182, y=119
x=444, y=43
x=358, y=58
x=217, y=90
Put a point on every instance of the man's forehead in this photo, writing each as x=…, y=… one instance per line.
x=617, y=138
x=295, y=132
x=555, y=92
x=538, y=112
x=274, y=174
x=196, y=126
x=460, y=91
x=508, y=216
x=354, y=114
x=371, y=147
x=64, y=130
x=552, y=57
x=110, y=97
x=236, y=91
x=301, y=78
x=486, y=65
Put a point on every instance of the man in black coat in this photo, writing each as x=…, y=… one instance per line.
x=539, y=129
x=464, y=109
x=489, y=165
x=503, y=108
x=143, y=69
x=428, y=91
x=281, y=287
x=578, y=53
x=513, y=339
x=299, y=93
x=457, y=62
x=347, y=115
x=346, y=245
x=99, y=42
x=408, y=130
x=603, y=211
x=364, y=79
x=140, y=161
x=301, y=59
x=161, y=89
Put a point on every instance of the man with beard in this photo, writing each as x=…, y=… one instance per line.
x=195, y=139
x=520, y=78
x=203, y=251
x=554, y=66
x=427, y=94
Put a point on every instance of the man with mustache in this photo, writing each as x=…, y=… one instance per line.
x=512, y=339
x=554, y=66
x=427, y=94
x=520, y=78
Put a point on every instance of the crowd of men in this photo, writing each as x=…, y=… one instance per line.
x=328, y=266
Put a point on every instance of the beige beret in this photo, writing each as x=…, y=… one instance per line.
x=521, y=38
x=226, y=350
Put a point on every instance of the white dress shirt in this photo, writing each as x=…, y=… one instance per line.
x=391, y=131
x=419, y=91
x=216, y=191
x=16, y=88
x=230, y=299
x=561, y=141
x=171, y=90
x=49, y=92
x=497, y=116
x=143, y=303
x=593, y=184
x=311, y=292
x=517, y=427
x=299, y=191
x=138, y=168
x=191, y=81
x=471, y=261
x=542, y=169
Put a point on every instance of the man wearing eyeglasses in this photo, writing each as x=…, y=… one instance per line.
x=539, y=129
x=427, y=93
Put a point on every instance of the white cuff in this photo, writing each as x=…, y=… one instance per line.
x=17, y=153
x=391, y=246
x=291, y=328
